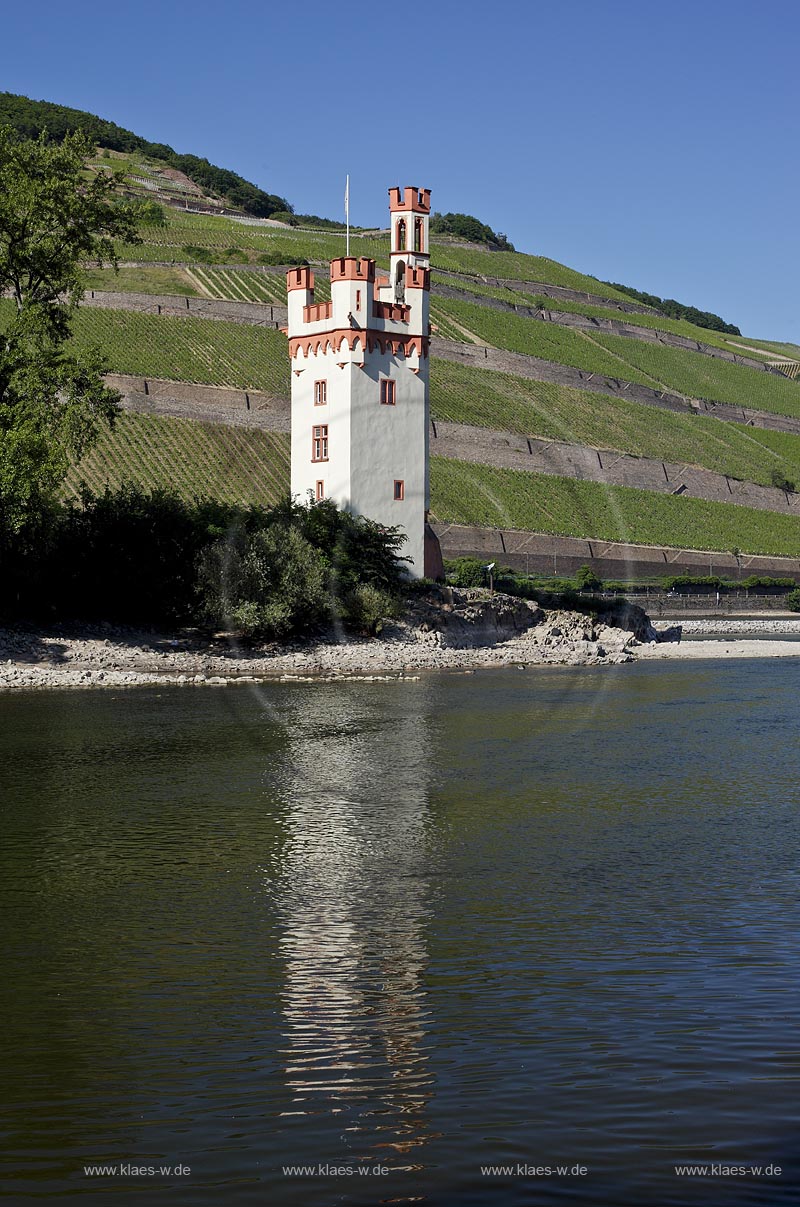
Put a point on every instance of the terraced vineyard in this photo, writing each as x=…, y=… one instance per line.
x=514, y=332
x=189, y=349
x=480, y=495
x=674, y=369
x=194, y=460
x=242, y=286
x=462, y=394
x=228, y=240
x=656, y=322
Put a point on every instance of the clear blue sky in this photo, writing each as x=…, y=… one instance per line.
x=650, y=144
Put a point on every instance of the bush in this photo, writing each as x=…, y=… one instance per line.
x=793, y=601
x=587, y=580
x=366, y=607
x=301, y=567
x=466, y=572
x=267, y=583
x=677, y=582
x=281, y=257
x=203, y=254
x=779, y=480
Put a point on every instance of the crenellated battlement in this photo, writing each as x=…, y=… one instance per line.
x=351, y=268
x=416, y=201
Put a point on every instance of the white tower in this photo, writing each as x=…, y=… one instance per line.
x=360, y=383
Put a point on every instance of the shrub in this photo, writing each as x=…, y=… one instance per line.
x=778, y=478
x=202, y=254
x=793, y=601
x=587, y=580
x=466, y=572
x=281, y=257
x=366, y=607
x=267, y=583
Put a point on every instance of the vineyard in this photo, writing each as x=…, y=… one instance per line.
x=194, y=460
x=479, y=495
x=208, y=351
x=462, y=394
x=656, y=322
x=229, y=240
x=674, y=369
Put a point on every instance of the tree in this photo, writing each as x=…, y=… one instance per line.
x=52, y=397
x=587, y=580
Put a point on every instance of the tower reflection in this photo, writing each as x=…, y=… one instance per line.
x=351, y=891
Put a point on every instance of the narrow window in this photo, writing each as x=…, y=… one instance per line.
x=320, y=393
x=319, y=442
x=388, y=398
x=401, y=235
x=418, y=235
x=358, y=299
x=320, y=490
x=399, y=489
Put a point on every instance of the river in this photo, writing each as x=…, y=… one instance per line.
x=427, y=940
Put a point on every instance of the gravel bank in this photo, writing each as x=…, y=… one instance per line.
x=461, y=630
x=466, y=631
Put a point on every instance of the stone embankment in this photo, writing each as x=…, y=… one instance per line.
x=449, y=630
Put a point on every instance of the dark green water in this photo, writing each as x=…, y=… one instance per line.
x=538, y=918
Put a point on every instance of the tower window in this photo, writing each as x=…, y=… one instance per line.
x=320, y=393
x=401, y=235
x=418, y=235
x=319, y=492
x=358, y=299
x=388, y=392
x=319, y=442
x=399, y=490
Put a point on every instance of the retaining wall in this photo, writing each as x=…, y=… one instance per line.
x=531, y=367
x=564, y=318
x=254, y=314
x=561, y=555
x=504, y=450
x=550, y=291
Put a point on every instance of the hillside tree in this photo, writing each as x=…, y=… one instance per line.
x=54, y=218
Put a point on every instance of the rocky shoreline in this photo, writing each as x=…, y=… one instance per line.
x=458, y=630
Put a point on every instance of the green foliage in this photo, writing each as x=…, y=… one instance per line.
x=270, y=582
x=306, y=566
x=32, y=118
x=277, y=257
x=200, y=254
x=149, y=212
x=766, y=580
x=467, y=227
x=587, y=580
x=466, y=572
x=793, y=601
x=366, y=607
x=668, y=306
x=688, y=582
x=52, y=400
x=778, y=479
x=127, y=555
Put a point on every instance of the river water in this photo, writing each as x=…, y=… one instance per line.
x=405, y=935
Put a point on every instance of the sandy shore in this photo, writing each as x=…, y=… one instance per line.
x=102, y=656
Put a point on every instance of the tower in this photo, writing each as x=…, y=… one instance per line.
x=360, y=383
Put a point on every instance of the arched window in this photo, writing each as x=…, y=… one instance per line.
x=400, y=282
x=401, y=235
x=418, y=235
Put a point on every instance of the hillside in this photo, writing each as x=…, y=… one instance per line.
x=563, y=408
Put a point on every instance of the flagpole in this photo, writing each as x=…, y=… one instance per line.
x=347, y=211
